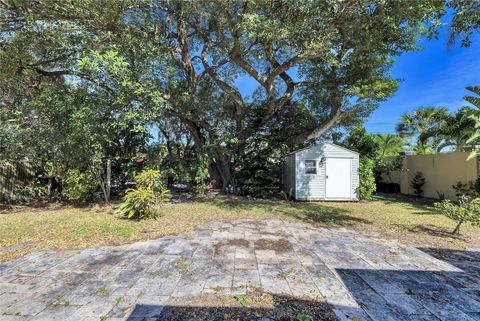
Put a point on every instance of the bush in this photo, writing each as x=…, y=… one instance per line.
x=417, y=184
x=148, y=179
x=143, y=202
x=139, y=204
x=78, y=186
x=367, y=178
x=469, y=189
x=467, y=210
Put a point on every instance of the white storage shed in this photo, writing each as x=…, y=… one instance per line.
x=322, y=172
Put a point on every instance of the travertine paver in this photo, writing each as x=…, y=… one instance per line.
x=363, y=278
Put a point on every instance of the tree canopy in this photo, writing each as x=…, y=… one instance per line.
x=315, y=65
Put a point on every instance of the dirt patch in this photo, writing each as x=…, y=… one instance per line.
x=256, y=304
x=281, y=245
x=234, y=242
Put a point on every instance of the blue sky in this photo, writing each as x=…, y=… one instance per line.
x=434, y=76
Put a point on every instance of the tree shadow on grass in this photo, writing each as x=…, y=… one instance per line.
x=423, y=206
x=305, y=211
x=431, y=230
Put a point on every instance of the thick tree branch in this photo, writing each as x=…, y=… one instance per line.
x=236, y=53
x=225, y=87
x=186, y=62
x=74, y=73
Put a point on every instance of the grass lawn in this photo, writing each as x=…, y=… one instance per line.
x=25, y=229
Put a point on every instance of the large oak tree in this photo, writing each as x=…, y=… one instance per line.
x=310, y=65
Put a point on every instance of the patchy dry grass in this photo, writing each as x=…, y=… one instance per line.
x=25, y=229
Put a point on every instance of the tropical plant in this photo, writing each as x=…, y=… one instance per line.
x=389, y=144
x=475, y=101
x=139, y=204
x=287, y=195
x=417, y=184
x=456, y=129
x=78, y=186
x=467, y=210
x=422, y=124
x=143, y=202
x=423, y=149
x=367, y=178
x=148, y=179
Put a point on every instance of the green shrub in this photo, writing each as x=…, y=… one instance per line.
x=148, y=179
x=139, y=204
x=367, y=178
x=143, y=202
x=467, y=210
x=78, y=186
x=469, y=189
x=417, y=184
x=287, y=195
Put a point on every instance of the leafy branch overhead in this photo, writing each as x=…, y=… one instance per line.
x=315, y=65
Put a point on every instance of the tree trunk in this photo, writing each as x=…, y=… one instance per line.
x=50, y=187
x=457, y=228
x=221, y=173
x=101, y=182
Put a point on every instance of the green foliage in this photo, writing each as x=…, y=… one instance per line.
x=143, y=202
x=362, y=142
x=78, y=186
x=122, y=71
x=423, y=124
x=465, y=21
x=287, y=195
x=139, y=204
x=259, y=173
x=417, y=183
x=303, y=317
x=389, y=144
x=376, y=148
x=148, y=179
x=475, y=101
x=244, y=301
x=367, y=178
x=469, y=189
x=456, y=129
x=200, y=175
x=467, y=210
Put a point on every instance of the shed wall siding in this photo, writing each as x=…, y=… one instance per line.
x=355, y=177
x=312, y=187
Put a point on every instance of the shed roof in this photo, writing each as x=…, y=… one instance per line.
x=324, y=143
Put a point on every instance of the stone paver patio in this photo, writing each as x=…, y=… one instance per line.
x=362, y=278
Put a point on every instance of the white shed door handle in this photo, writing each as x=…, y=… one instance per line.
x=326, y=176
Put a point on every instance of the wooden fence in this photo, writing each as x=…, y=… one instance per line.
x=16, y=181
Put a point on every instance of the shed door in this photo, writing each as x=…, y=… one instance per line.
x=338, y=178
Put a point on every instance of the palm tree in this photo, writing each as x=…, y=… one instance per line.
x=475, y=101
x=456, y=129
x=389, y=144
x=423, y=149
x=423, y=123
